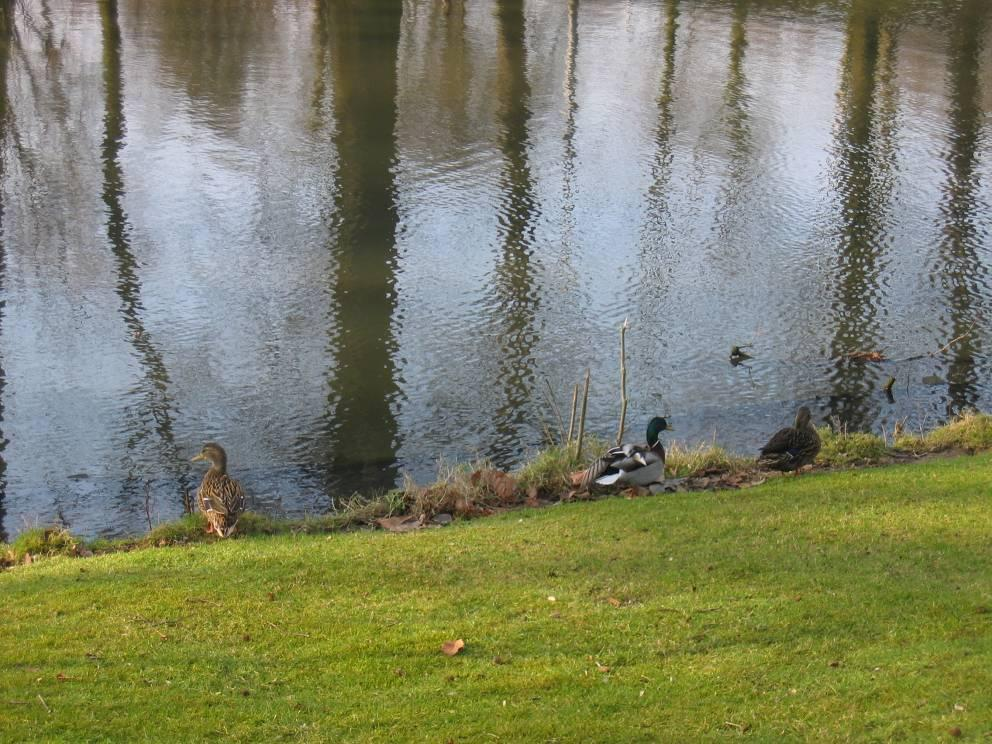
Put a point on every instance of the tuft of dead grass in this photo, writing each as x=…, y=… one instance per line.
x=971, y=431
x=465, y=490
x=683, y=461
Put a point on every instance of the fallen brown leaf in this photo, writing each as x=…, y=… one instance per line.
x=450, y=648
x=614, y=601
x=500, y=484
x=503, y=485
x=602, y=668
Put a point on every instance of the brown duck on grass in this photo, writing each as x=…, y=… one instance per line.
x=792, y=447
x=220, y=497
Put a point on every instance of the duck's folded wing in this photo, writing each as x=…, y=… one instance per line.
x=635, y=461
x=213, y=504
x=782, y=441
x=594, y=471
x=624, y=457
x=233, y=495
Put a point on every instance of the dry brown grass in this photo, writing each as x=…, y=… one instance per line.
x=682, y=460
x=971, y=431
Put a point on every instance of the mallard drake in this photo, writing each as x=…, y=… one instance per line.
x=792, y=447
x=220, y=497
x=630, y=464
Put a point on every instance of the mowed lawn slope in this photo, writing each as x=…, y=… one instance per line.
x=827, y=606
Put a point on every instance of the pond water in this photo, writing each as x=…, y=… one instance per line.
x=348, y=237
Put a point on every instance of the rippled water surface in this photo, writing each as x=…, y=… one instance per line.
x=348, y=237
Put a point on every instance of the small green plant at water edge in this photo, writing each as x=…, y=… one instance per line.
x=44, y=541
x=549, y=469
x=849, y=448
x=187, y=529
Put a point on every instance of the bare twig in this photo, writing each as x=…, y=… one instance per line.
x=953, y=341
x=571, y=420
x=557, y=411
x=942, y=349
x=623, y=383
x=200, y=600
x=277, y=627
x=582, y=417
x=43, y=703
x=148, y=504
x=549, y=436
x=152, y=625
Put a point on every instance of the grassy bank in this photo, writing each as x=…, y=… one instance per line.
x=476, y=489
x=845, y=604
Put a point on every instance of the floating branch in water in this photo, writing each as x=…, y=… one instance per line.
x=942, y=349
x=954, y=340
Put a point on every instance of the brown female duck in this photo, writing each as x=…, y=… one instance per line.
x=792, y=447
x=220, y=497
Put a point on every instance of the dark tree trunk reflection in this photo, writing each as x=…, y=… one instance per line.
x=153, y=415
x=863, y=152
x=515, y=298
x=358, y=438
x=961, y=271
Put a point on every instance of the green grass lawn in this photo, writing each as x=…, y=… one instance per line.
x=848, y=605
